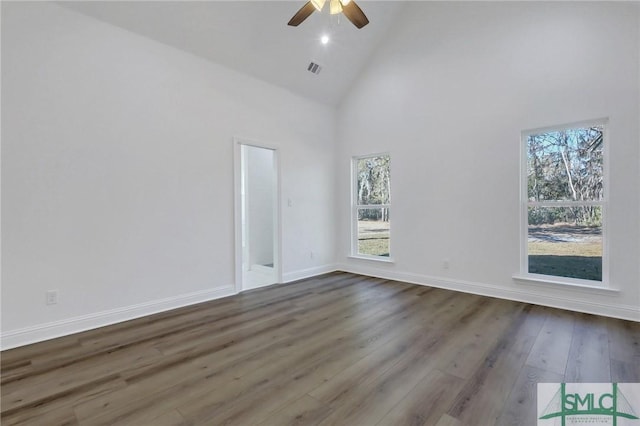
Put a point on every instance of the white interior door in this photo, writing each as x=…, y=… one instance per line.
x=257, y=216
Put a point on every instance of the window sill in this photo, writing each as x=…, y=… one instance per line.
x=381, y=259
x=537, y=279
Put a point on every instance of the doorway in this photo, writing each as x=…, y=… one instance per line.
x=257, y=215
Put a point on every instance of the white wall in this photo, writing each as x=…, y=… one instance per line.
x=448, y=94
x=260, y=185
x=117, y=180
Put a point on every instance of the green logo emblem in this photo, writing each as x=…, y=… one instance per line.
x=588, y=403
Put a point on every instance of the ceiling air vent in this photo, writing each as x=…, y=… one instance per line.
x=314, y=68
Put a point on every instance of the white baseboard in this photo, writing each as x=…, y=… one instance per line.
x=614, y=310
x=28, y=335
x=38, y=333
x=307, y=273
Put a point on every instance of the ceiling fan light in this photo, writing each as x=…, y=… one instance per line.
x=318, y=4
x=345, y=2
x=335, y=7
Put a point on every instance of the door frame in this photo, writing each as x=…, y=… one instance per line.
x=238, y=142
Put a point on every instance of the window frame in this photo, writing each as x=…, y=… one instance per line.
x=525, y=204
x=355, y=207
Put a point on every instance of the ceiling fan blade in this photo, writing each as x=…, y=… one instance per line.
x=302, y=14
x=353, y=13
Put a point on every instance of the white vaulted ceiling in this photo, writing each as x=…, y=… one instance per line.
x=253, y=37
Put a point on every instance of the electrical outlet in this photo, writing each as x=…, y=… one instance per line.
x=51, y=297
x=311, y=255
x=445, y=264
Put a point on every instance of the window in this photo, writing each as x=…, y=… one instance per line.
x=564, y=206
x=371, y=205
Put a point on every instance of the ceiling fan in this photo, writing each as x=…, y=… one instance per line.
x=348, y=7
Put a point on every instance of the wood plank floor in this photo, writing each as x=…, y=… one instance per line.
x=339, y=349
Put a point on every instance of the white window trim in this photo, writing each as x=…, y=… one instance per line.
x=524, y=274
x=353, y=254
x=549, y=280
x=382, y=259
